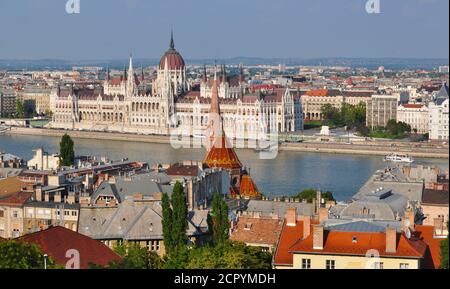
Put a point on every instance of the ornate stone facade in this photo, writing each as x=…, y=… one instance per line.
x=123, y=104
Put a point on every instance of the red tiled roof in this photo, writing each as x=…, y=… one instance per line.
x=432, y=258
x=341, y=243
x=257, y=231
x=56, y=241
x=289, y=235
x=318, y=92
x=411, y=105
x=183, y=170
x=116, y=81
x=250, y=98
x=18, y=199
x=248, y=188
x=10, y=186
x=222, y=155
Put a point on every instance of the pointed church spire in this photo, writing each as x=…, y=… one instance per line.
x=205, y=75
x=130, y=66
x=172, y=43
x=215, y=95
x=108, y=76
x=224, y=74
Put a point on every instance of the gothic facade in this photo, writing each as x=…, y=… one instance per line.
x=123, y=104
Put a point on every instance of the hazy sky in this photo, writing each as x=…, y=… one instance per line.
x=111, y=29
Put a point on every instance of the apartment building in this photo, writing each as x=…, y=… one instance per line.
x=416, y=115
x=381, y=109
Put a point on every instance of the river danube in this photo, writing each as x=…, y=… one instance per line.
x=288, y=174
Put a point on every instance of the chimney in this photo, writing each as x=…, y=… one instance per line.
x=391, y=240
x=318, y=200
x=38, y=193
x=291, y=217
x=57, y=198
x=306, y=226
x=323, y=215
x=438, y=226
x=71, y=199
x=318, y=237
x=409, y=217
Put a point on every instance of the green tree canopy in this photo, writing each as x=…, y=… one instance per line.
x=310, y=194
x=136, y=257
x=20, y=108
x=227, y=255
x=179, y=216
x=218, y=222
x=348, y=115
x=174, y=220
x=66, y=151
x=21, y=255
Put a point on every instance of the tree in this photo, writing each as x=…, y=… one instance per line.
x=218, y=222
x=229, y=255
x=363, y=130
x=21, y=255
x=179, y=216
x=66, y=152
x=444, y=253
x=136, y=257
x=20, y=108
x=330, y=114
x=349, y=115
x=167, y=223
x=392, y=127
x=174, y=220
x=310, y=194
x=178, y=258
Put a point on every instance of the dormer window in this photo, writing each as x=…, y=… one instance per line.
x=354, y=240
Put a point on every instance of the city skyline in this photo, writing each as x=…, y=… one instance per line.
x=240, y=30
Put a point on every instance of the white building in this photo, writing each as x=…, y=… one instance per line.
x=438, y=116
x=416, y=115
x=44, y=161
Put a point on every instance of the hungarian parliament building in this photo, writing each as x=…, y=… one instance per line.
x=124, y=104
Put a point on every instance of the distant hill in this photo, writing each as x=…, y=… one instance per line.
x=370, y=63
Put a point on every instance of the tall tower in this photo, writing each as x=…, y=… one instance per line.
x=222, y=155
x=176, y=66
x=131, y=82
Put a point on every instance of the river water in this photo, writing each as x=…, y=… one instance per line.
x=288, y=174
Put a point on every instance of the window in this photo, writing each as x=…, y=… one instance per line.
x=2, y=214
x=404, y=266
x=15, y=214
x=306, y=263
x=330, y=264
x=379, y=265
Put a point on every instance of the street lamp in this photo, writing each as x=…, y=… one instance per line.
x=45, y=261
